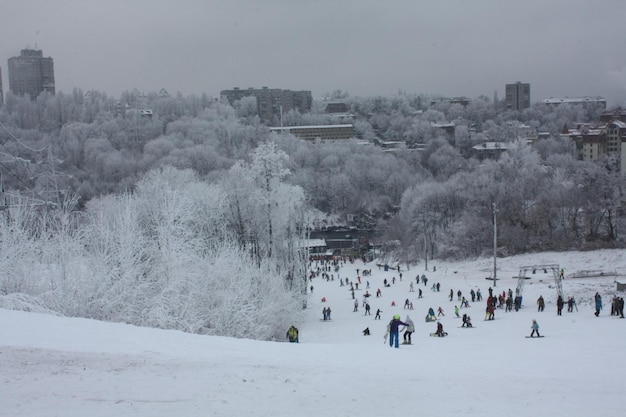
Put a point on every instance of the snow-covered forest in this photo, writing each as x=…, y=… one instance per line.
x=180, y=219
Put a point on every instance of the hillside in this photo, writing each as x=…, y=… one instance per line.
x=76, y=367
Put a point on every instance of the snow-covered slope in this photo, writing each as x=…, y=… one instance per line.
x=53, y=366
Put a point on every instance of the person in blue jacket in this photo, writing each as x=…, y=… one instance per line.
x=535, y=328
x=394, y=329
x=598, y=300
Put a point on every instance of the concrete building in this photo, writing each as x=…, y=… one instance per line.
x=589, y=141
x=463, y=101
x=31, y=74
x=615, y=133
x=336, y=107
x=594, y=140
x=271, y=101
x=555, y=101
x=490, y=150
x=517, y=96
x=1, y=90
x=323, y=132
x=614, y=114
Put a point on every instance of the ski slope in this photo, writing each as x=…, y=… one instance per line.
x=55, y=366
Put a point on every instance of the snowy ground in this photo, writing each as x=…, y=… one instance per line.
x=51, y=366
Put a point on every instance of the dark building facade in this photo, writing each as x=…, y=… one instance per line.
x=31, y=74
x=614, y=114
x=1, y=90
x=517, y=96
x=324, y=132
x=270, y=101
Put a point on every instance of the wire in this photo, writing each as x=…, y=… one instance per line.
x=20, y=142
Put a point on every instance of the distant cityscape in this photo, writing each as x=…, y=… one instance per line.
x=31, y=74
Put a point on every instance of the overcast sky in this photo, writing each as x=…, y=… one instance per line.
x=364, y=47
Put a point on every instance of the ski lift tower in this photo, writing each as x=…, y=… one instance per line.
x=556, y=272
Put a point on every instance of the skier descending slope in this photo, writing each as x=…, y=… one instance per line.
x=535, y=329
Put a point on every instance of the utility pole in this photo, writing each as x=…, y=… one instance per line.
x=495, y=242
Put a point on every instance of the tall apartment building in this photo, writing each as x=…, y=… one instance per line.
x=31, y=74
x=271, y=101
x=517, y=96
x=1, y=90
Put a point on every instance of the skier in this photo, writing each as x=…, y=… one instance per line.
x=620, y=307
x=419, y=293
x=431, y=315
x=456, y=311
x=535, y=328
x=393, y=329
x=439, y=331
x=540, y=303
x=292, y=334
x=356, y=306
x=490, y=311
x=408, y=331
x=440, y=311
x=559, y=305
x=598, y=300
x=377, y=316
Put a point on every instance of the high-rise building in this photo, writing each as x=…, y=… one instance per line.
x=518, y=96
x=271, y=101
x=31, y=74
x=1, y=90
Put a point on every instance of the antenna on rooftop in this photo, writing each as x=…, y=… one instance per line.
x=36, y=38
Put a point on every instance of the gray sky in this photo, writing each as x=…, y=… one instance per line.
x=365, y=47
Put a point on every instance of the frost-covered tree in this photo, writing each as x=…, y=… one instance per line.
x=265, y=212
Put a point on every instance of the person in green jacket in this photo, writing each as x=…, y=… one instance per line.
x=292, y=334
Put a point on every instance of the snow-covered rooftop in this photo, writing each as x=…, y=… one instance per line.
x=559, y=100
x=347, y=125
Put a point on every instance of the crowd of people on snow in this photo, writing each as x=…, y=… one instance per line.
x=507, y=300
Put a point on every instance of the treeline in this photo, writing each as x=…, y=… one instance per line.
x=436, y=202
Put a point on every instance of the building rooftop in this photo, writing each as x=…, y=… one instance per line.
x=585, y=99
x=312, y=127
x=492, y=146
